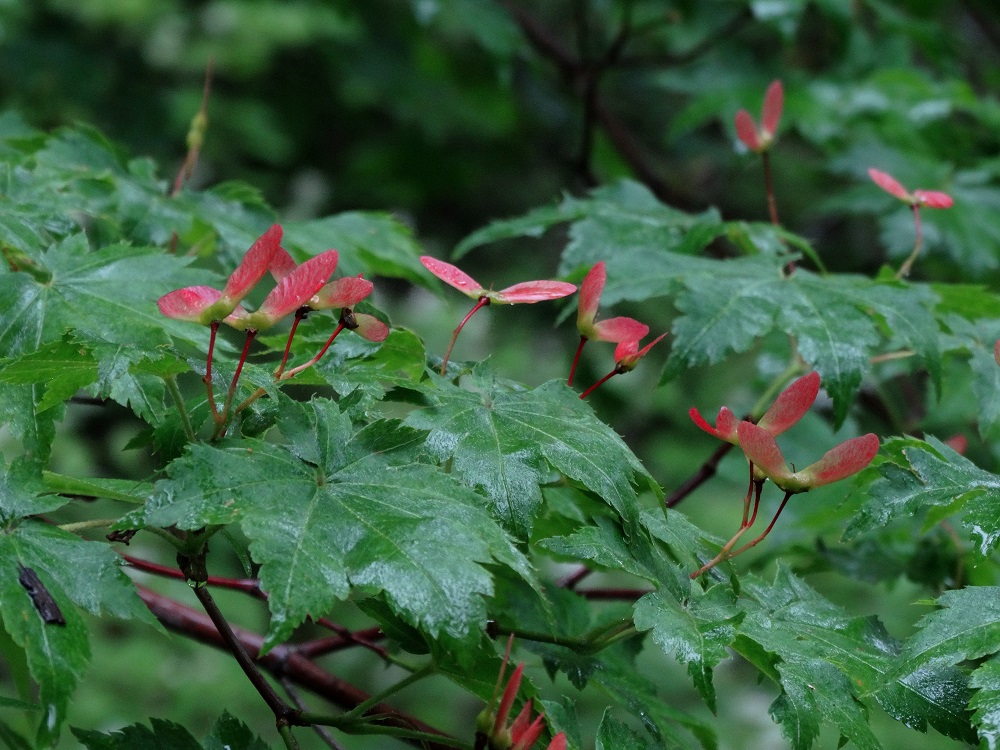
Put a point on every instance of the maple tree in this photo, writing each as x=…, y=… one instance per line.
x=372, y=533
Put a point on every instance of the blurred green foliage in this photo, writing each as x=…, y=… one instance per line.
x=454, y=113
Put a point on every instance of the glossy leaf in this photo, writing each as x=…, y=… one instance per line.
x=328, y=515
x=697, y=631
x=831, y=662
x=933, y=475
x=506, y=441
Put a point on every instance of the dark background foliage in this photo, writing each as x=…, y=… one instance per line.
x=455, y=113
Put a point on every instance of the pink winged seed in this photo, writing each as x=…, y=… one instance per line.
x=617, y=330
x=282, y=264
x=345, y=292
x=725, y=424
x=371, y=328
x=453, y=275
x=774, y=102
x=933, y=198
x=759, y=446
x=254, y=264
x=529, y=292
x=522, y=722
x=558, y=742
x=746, y=130
x=590, y=292
x=188, y=303
x=294, y=290
x=842, y=461
x=791, y=404
x=529, y=736
x=507, y=700
x=889, y=184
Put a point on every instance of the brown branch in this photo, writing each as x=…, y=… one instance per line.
x=577, y=74
x=672, y=59
x=705, y=472
x=284, y=714
x=280, y=661
x=345, y=638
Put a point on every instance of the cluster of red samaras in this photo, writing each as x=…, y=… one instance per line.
x=757, y=441
x=298, y=286
x=767, y=462
x=760, y=139
x=492, y=729
x=625, y=332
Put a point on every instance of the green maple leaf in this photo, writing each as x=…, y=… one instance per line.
x=930, y=475
x=622, y=214
x=967, y=626
x=837, y=321
x=228, y=733
x=34, y=430
x=614, y=735
x=76, y=574
x=986, y=702
x=829, y=661
x=507, y=441
x=369, y=242
x=62, y=366
x=107, y=295
x=327, y=515
x=698, y=631
x=976, y=338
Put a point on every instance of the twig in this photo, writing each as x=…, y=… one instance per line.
x=672, y=59
x=281, y=660
x=284, y=715
x=321, y=731
x=705, y=472
x=570, y=580
x=246, y=585
x=344, y=639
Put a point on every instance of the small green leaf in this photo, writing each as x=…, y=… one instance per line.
x=936, y=476
x=986, y=702
x=506, y=441
x=967, y=626
x=614, y=735
x=61, y=366
x=697, y=631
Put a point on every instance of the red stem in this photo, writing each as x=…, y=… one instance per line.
x=767, y=531
x=481, y=302
x=246, y=585
x=576, y=359
x=758, y=486
x=221, y=426
x=599, y=383
x=296, y=370
x=208, y=371
x=299, y=315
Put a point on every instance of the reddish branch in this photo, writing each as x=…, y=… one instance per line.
x=280, y=661
x=344, y=639
x=704, y=473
